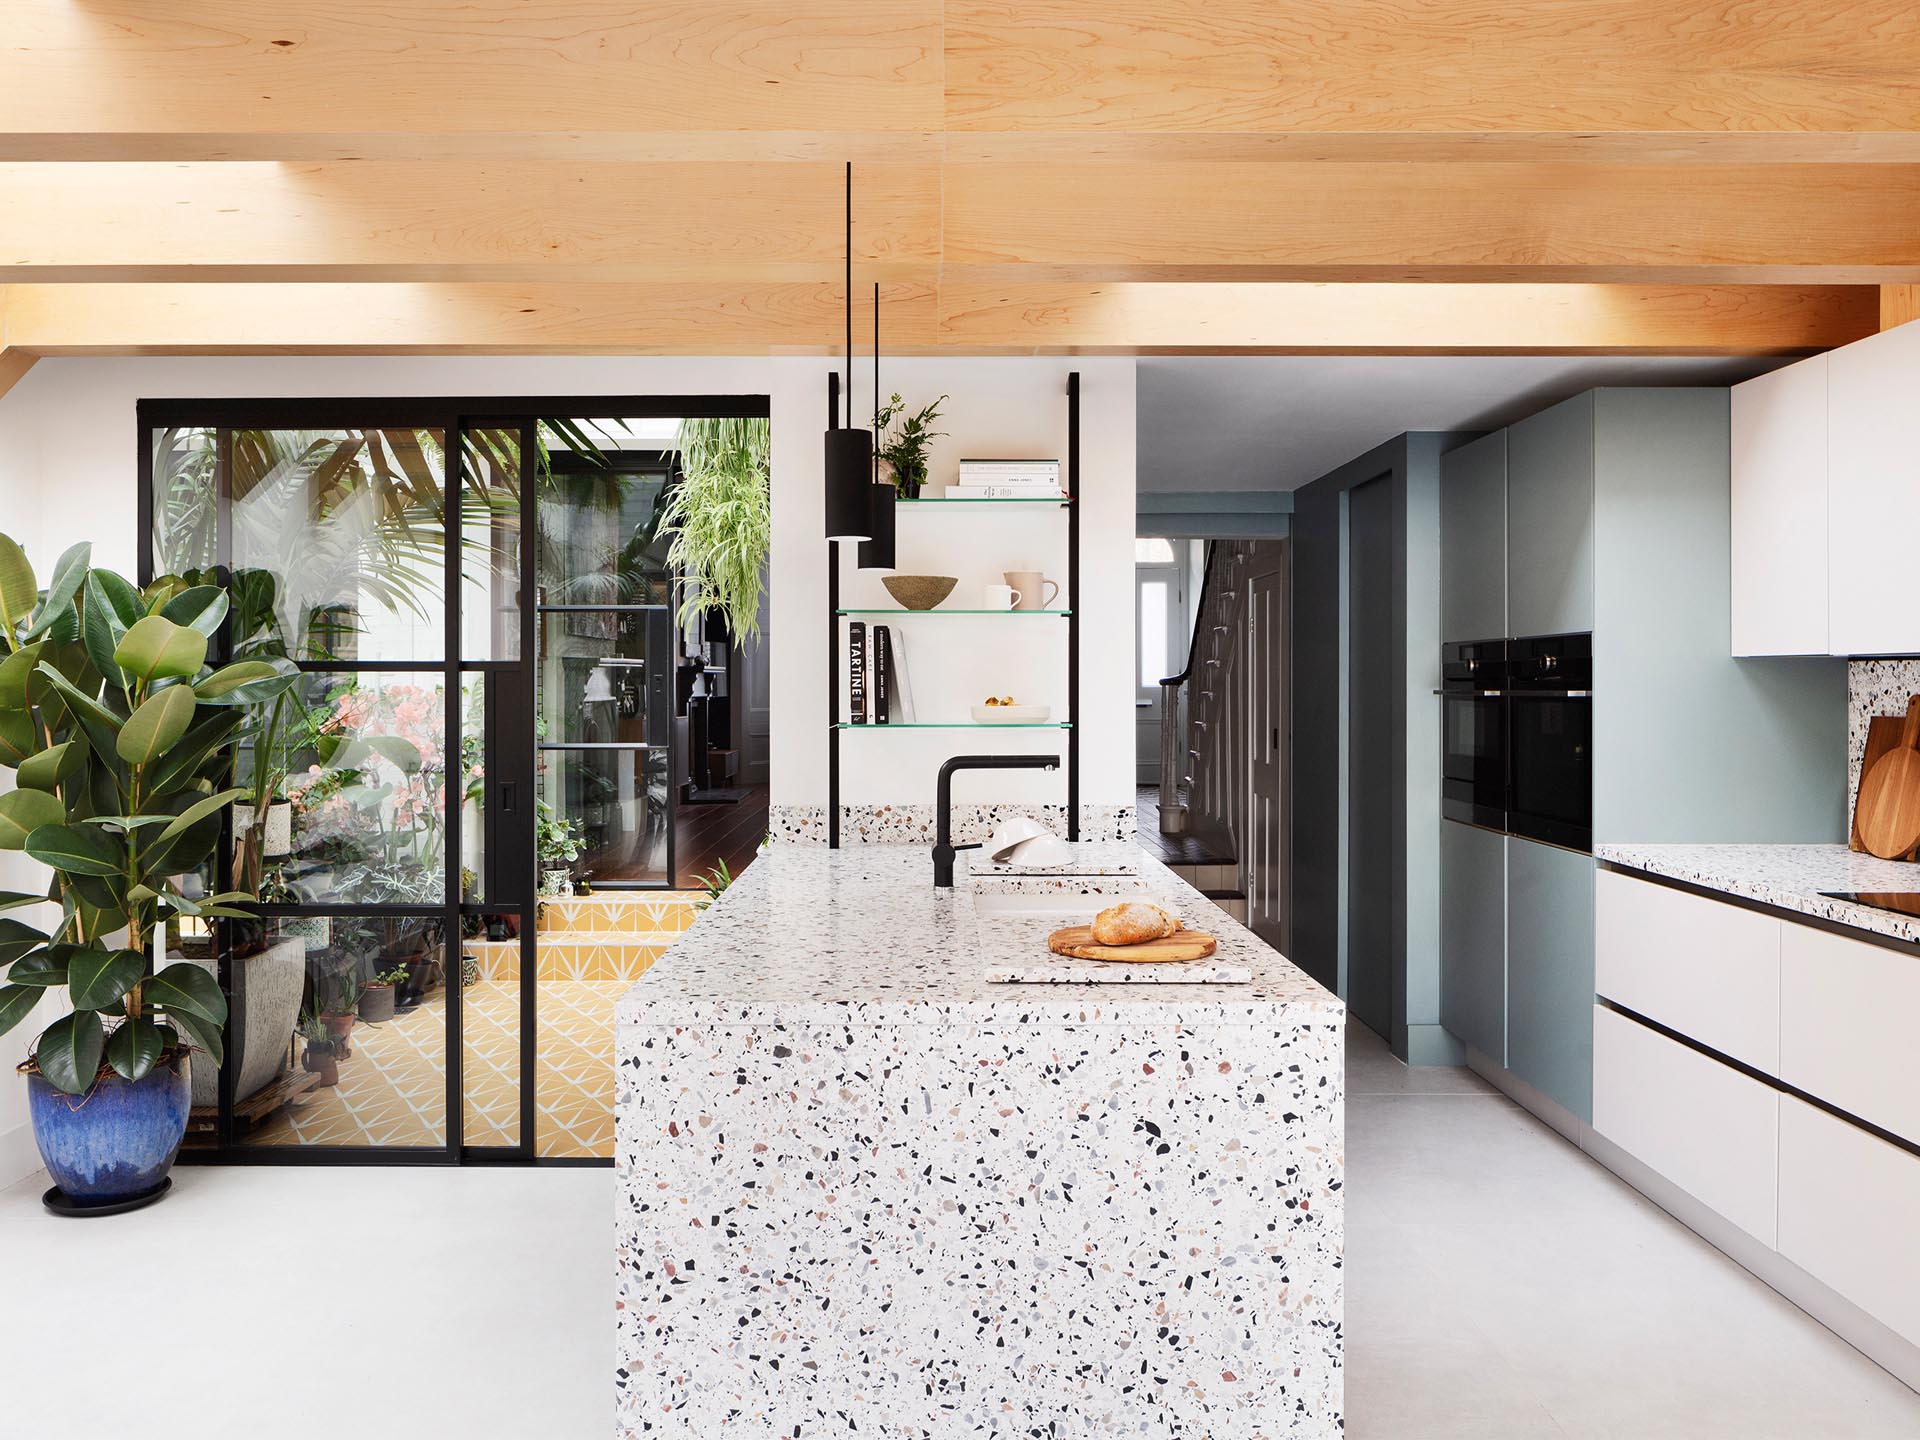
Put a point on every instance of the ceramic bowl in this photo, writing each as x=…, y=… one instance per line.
x=1016, y=831
x=919, y=592
x=1046, y=852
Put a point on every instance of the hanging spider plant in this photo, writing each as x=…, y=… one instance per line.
x=721, y=519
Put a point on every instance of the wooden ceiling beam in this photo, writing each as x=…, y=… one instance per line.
x=993, y=223
x=956, y=319
x=13, y=364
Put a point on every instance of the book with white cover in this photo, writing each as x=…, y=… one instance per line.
x=1009, y=492
x=902, y=692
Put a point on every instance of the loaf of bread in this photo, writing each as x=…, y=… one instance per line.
x=1131, y=923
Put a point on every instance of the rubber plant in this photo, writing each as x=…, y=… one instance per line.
x=721, y=519
x=116, y=731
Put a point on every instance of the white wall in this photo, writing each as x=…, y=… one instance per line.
x=68, y=468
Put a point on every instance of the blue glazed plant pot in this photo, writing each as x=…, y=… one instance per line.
x=118, y=1141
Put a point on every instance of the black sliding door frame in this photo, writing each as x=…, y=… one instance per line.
x=508, y=682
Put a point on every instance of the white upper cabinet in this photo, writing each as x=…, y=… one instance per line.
x=1780, y=512
x=1873, y=494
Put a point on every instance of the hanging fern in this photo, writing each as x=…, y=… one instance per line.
x=721, y=519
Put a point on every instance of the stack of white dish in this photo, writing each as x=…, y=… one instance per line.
x=1029, y=844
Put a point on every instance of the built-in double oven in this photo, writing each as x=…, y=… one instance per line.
x=1517, y=737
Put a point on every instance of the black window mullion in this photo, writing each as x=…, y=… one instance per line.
x=452, y=494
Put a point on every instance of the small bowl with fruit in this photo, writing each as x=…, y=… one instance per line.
x=1005, y=710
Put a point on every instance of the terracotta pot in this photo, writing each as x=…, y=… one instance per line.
x=322, y=1063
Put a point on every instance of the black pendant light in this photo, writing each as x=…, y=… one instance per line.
x=849, y=451
x=877, y=553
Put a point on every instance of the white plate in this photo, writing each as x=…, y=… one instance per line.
x=1011, y=714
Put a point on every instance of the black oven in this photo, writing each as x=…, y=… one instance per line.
x=1473, y=785
x=1550, y=739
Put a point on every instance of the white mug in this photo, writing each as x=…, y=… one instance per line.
x=1028, y=586
x=1002, y=597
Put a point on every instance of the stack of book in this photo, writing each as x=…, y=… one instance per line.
x=879, y=691
x=1009, y=480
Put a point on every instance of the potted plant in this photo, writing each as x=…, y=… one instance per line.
x=377, y=1000
x=117, y=733
x=556, y=846
x=318, y=1057
x=904, y=451
x=720, y=518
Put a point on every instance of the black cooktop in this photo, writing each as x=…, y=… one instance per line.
x=1899, y=902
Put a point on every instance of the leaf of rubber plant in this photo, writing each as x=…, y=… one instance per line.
x=96, y=978
x=45, y=769
x=69, y=574
x=19, y=737
x=200, y=810
x=155, y=648
x=134, y=1047
x=76, y=850
x=203, y=1034
x=247, y=682
x=18, y=588
x=69, y=1051
x=126, y=822
x=15, y=671
x=102, y=892
x=102, y=624
x=186, y=989
x=180, y=766
x=15, y=1002
x=42, y=969
x=14, y=899
x=102, y=726
x=158, y=724
x=17, y=940
x=181, y=902
x=200, y=608
x=24, y=811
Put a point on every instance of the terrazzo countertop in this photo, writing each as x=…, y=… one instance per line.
x=862, y=1190
x=807, y=930
x=1789, y=876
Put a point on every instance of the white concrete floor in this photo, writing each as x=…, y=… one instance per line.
x=1500, y=1286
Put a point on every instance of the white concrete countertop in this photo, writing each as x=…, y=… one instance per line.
x=1789, y=876
x=807, y=928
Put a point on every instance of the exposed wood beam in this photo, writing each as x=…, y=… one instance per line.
x=998, y=223
x=13, y=364
x=538, y=66
x=468, y=220
x=1829, y=224
x=1529, y=65
x=1898, y=305
x=960, y=319
x=1431, y=319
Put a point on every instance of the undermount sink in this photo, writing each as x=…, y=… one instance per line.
x=1008, y=904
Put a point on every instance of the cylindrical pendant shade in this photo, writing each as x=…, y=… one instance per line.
x=877, y=553
x=849, y=481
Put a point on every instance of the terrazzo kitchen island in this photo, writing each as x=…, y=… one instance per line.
x=861, y=1189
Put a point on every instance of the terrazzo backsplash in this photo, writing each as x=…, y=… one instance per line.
x=1874, y=687
x=915, y=824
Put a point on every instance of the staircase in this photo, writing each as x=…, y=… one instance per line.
x=1213, y=724
x=605, y=938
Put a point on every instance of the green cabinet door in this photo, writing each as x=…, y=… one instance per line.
x=1473, y=540
x=1550, y=520
x=1550, y=972
x=1473, y=937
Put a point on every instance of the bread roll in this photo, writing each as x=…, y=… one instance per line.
x=1132, y=923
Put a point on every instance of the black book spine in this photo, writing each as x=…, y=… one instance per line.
x=857, y=671
x=882, y=680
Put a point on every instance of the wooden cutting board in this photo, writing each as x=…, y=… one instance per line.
x=1077, y=941
x=1883, y=734
x=1889, y=811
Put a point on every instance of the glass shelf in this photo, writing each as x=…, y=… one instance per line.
x=961, y=725
x=896, y=610
x=985, y=500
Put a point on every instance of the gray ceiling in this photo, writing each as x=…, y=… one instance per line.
x=1277, y=422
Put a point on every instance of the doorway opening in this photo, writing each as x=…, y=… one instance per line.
x=520, y=750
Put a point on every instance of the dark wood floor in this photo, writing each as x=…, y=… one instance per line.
x=1190, y=849
x=708, y=835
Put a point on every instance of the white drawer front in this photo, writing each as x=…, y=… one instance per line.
x=1849, y=1204
x=1703, y=1125
x=1848, y=1012
x=1708, y=970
